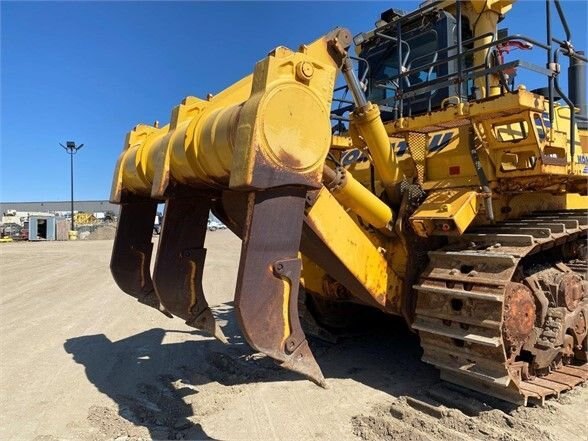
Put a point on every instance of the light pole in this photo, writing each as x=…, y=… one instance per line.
x=71, y=148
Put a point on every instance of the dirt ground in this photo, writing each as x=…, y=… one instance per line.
x=81, y=360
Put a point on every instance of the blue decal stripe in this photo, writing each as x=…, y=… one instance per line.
x=434, y=144
x=447, y=137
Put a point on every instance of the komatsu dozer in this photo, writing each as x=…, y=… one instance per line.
x=426, y=182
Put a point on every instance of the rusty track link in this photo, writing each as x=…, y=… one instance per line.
x=467, y=293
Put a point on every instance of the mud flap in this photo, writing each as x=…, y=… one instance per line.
x=180, y=263
x=267, y=284
x=131, y=254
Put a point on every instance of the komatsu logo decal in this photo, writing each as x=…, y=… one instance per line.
x=583, y=159
x=352, y=156
x=438, y=142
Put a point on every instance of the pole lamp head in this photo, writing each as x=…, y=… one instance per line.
x=70, y=147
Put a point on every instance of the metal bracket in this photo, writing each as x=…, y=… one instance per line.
x=290, y=269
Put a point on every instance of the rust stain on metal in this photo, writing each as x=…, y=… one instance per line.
x=180, y=263
x=571, y=289
x=519, y=314
x=131, y=254
x=266, y=304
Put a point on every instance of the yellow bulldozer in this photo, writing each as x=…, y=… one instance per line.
x=428, y=183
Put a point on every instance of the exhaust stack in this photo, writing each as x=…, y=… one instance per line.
x=577, y=89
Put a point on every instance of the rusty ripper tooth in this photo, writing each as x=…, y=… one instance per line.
x=180, y=264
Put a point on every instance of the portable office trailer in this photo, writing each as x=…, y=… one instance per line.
x=41, y=227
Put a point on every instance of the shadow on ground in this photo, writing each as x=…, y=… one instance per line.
x=148, y=378
x=138, y=373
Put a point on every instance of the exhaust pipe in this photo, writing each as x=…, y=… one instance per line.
x=577, y=89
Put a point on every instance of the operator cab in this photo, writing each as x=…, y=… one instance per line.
x=424, y=40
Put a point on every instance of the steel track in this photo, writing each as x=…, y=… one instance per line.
x=461, y=306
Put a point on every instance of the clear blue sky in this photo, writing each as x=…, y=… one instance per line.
x=90, y=71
